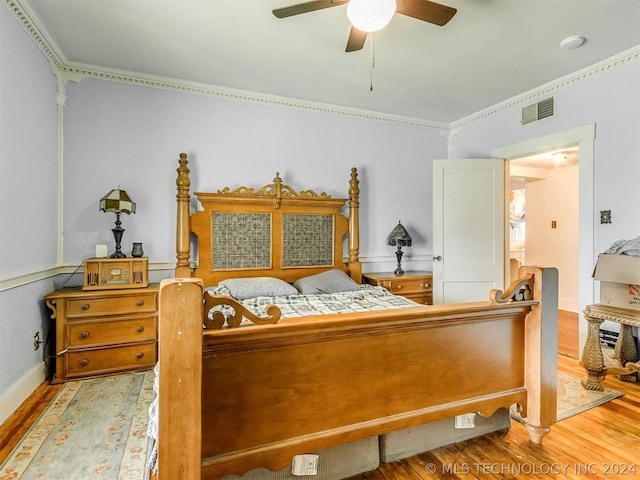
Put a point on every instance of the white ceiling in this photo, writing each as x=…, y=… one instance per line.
x=491, y=51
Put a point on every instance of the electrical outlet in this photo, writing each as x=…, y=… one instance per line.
x=36, y=341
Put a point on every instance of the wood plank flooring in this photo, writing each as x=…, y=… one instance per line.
x=568, y=333
x=602, y=443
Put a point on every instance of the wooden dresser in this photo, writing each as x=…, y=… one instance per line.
x=415, y=285
x=104, y=332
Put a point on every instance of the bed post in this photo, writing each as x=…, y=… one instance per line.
x=183, y=268
x=541, y=352
x=180, y=385
x=355, y=267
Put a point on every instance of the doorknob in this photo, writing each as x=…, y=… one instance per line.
x=437, y=259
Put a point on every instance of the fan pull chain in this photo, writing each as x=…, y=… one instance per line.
x=373, y=64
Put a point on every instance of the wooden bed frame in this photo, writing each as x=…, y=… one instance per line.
x=234, y=399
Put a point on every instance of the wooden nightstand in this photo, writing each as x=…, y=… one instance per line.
x=104, y=332
x=413, y=284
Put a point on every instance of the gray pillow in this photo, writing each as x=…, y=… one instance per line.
x=331, y=281
x=251, y=287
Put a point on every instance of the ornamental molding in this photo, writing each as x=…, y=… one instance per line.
x=29, y=21
x=26, y=17
x=276, y=189
x=620, y=60
x=614, y=314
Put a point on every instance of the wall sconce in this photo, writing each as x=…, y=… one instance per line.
x=399, y=237
x=117, y=201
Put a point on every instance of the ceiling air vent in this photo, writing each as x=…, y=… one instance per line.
x=537, y=111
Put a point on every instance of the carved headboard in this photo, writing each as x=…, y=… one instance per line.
x=271, y=231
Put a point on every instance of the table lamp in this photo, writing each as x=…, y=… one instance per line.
x=399, y=237
x=117, y=201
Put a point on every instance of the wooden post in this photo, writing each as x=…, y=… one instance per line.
x=180, y=364
x=355, y=267
x=183, y=227
x=541, y=353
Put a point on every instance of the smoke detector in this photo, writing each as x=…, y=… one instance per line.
x=572, y=42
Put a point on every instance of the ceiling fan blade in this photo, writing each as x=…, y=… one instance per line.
x=307, y=7
x=426, y=10
x=356, y=40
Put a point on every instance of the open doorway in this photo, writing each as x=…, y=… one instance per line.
x=583, y=136
x=544, y=228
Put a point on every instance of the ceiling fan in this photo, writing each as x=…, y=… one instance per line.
x=424, y=10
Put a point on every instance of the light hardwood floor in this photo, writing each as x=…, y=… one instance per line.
x=568, y=333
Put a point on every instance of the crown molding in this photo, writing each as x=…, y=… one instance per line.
x=34, y=28
x=29, y=21
x=183, y=86
x=620, y=60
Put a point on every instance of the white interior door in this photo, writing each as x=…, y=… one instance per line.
x=469, y=229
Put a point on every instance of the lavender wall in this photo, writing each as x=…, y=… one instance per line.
x=28, y=192
x=118, y=134
x=28, y=154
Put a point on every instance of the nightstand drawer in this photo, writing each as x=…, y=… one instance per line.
x=423, y=298
x=415, y=285
x=403, y=286
x=142, y=303
x=84, y=334
x=101, y=360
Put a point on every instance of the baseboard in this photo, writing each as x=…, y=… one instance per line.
x=23, y=388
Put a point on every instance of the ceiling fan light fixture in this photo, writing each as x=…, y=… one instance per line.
x=370, y=15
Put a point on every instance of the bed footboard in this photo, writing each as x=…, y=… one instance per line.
x=239, y=398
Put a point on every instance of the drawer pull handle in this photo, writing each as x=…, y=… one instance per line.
x=84, y=362
x=139, y=303
x=399, y=287
x=140, y=329
x=84, y=334
x=85, y=306
x=427, y=285
x=139, y=355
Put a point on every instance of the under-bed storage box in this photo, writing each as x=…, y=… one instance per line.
x=334, y=463
x=411, y=441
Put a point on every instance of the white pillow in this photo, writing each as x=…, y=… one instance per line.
x=331, y=281
x=251, y=287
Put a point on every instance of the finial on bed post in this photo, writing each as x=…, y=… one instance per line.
x=355, y=267
x=183, y=268
x=277, y=183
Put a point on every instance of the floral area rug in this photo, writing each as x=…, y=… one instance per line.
x=574, y=399
x=93, y=430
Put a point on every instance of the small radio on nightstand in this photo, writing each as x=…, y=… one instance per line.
x=113, y=273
